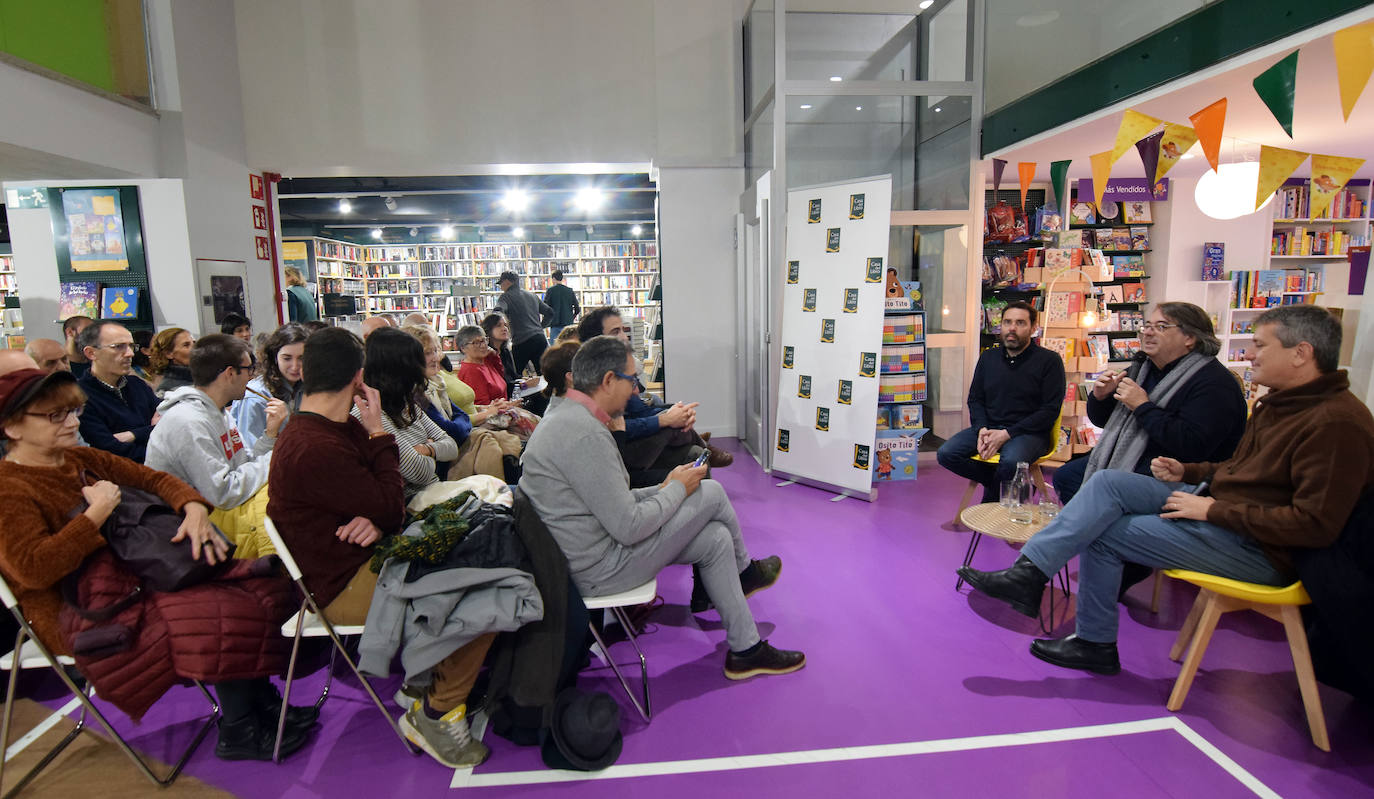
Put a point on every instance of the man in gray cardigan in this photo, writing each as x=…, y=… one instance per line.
x=528, y=316
x=616, y=538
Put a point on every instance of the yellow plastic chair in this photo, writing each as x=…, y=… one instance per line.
x=1036, y=474
x=1219, y=595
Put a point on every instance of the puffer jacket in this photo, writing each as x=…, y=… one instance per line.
x=225, y=629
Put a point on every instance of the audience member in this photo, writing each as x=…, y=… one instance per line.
x=71, y=328
x=481, y=368
x=239, y=326
x=49, y=355
x=169, y=360
x=280, y=360
x=143, y=347
x=563, y=301
x=415, y=319
x=374, y=323
x=300, y=305
x=615, y=538
x=1013, y=401
x=1306, y=457
x=528, y=316
x=556, y=366
x=11, y=361
x=331, y=520
x=568, y=333
x=498, y=337
x=314, y=326
x=197, y=442
x=478, y=450
x=120, y=413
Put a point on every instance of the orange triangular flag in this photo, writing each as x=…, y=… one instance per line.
x=1025, y=170
x=1134, y=126
x=1354, y=48
x=1102, y=170
x=1276, y=164
x=1178, y=139
x=1330, y=173
x=1208, y=123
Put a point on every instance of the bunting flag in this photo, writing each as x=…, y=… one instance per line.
x=1059, y=181
x=1275, y=87
x=997, y=166
x=1330, y=173
x=1025, y=171
x=1208, y=124
x=1177, y=140
x=1354, y=62
x=1102, y=169
x=1134, y=126
x=1148, y=148
x=1276, y=164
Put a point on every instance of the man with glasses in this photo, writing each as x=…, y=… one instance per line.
x=197, y=441
x=120, y=413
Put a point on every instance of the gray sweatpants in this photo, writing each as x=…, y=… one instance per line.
x=704, y=531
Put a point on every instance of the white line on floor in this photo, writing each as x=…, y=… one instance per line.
x=43, y=726
x=465, y=778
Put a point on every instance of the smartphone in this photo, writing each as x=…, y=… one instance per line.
x=701, y=459
x=1202, y=487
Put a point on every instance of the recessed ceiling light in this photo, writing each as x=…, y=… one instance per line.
x=835, y=78
x=937, y=109
x=345, y=206
x=414, y=232
x=590, y=230
x=589, y=199
x=389, y=202
x=858, y=108
x=515, y=200
x=518, y=232
x=805, y=106
x=636, y=230
x=376, y=233
x=557, y=230
x=446, y=232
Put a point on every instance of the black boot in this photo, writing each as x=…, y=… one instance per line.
x=252, y=737
x=1073, y=652
x=1021, y=586
x=297, y=716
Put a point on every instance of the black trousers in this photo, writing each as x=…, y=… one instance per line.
x=529, y=351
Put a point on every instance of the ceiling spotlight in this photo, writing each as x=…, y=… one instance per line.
x=481, y=231
x=518, y=232
x=589, y=199
x=414, y=232
x=376, y=233
x=835, y=79
x=557, y=230
x=591, y=229
x=805, y=106
x=345, y=206
x=389, y=202
x=636, y=230
x=858, y=108
x=926, y=4
x=515, y=200
x=446, y=232
x=937, y=109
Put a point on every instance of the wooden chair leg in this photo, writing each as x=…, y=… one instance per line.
x=1206, y=625
x=1038, y=478
x=964, y=502
x=1154, y=597
x=1185, y=633
x=1307, y=678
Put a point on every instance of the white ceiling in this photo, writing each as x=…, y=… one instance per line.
x=1318, y=125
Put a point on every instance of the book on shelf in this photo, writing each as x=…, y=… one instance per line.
x=1213, y=260
x=1072, y=239
x=1137, y=211
x=1124, y=348
x=1115, y=294
x=119, y=302
x=907, y=417
x=1133, y=291
x=78, y=298
x=1060, y=345
x=1128, y=266
x=1062, y=307
x=1098, y=265
x=1082, y=213
x=895, y=451
x=1121, y=238
x=1140, y=238
x=1059, y=259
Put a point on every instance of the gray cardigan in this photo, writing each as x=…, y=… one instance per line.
x=577, y=483
x=528, y=315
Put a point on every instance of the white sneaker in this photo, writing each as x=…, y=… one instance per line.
x=447, y=739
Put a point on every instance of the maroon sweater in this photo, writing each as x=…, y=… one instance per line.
x=323, y=475
x=1305, y=458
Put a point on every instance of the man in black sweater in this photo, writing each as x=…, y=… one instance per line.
x=563, y=301
x=1013, y=401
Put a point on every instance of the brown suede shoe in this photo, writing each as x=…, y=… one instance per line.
x=719, y=458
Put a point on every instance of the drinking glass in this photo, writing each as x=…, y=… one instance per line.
x=1008, y=493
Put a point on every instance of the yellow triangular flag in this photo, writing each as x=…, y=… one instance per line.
x=1102, y=170
x=1178, y=139
x=1330, y=173
x=1134, y=127
x=1354, y=48
x=1276, y=164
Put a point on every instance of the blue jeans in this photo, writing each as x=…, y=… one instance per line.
x=1115, y=518
x=554, y=330
x=957, y=453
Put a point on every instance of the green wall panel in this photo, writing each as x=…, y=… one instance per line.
x=66, y=36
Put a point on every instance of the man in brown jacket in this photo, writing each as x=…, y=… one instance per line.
x=1305, y=458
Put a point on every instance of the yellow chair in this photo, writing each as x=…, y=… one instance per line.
x=1035, y=472
x=1219, y=595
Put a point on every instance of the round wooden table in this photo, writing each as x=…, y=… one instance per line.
x=994, y=519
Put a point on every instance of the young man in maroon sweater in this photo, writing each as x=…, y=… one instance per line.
x=336, y=488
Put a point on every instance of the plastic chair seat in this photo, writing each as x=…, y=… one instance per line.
x=635, y=596
x=314, y=627
x=31, y=658
x=1293, y=594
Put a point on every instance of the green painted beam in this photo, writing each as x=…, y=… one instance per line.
x=1205, y=38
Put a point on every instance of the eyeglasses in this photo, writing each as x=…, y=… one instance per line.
x=1157, y=327
x=238, y=370
x=630, y=378
x=58, y=416
x=125, y=346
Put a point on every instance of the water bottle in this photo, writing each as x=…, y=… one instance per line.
x=1021, y=510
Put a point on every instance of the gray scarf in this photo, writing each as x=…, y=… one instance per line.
x=1123, y=442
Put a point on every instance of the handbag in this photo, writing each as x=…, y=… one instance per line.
x=139, y=531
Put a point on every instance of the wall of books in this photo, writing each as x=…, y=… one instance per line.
x=11, y=318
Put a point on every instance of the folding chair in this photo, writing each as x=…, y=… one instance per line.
x=309, y=621
x=617, y=603
x=29, y=652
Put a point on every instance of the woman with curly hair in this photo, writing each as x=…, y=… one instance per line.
x=169, y=360
x=280, y=381
x=497, y=329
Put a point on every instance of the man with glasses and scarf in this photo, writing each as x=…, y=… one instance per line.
x=120, y=413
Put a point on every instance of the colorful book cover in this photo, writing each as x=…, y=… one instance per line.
x=1083, y=213
x=1097, y=264
x=1128, y=266
x=1121, y=238
x=1113, y=295
x=896, y=454
x=1140, y=238
x=1102, y=238
x=81, y=298
x=1061, y=307
x=1134, y=292
x=1072, y=239
x=908, y=417
x=1138, y=211
x=1213, y=260
x=119, y=303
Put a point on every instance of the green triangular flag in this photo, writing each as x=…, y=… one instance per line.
x=1059, y=179
x=1275, y=87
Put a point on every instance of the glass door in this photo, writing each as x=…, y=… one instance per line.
x=752, y=321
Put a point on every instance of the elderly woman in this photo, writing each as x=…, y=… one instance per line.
x=481, y=367
x=479, y=452
x=280, y=360
x=57, y=496
x=169, y=360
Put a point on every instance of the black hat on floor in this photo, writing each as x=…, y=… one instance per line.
x=585, y=733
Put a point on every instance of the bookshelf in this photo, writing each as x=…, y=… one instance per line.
x=11, y=319
x=902, y=384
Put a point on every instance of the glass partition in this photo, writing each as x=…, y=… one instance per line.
x=758, y=54
x=851, y=46
x=102, y=44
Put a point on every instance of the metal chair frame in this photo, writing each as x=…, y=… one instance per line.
x=616, y=604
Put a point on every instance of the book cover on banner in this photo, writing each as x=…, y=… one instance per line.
x=79, y=298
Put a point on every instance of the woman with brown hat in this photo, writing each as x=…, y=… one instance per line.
x=57, y=496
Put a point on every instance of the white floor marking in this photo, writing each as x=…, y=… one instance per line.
x=465, y=778
x=43, y=726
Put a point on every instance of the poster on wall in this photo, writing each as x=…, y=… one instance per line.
x=95, y=227
x=228, y=296
x=832, y=329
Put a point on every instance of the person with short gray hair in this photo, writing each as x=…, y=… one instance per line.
x=528, y=316
x=617, y=538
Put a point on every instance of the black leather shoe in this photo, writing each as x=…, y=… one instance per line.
x=253, y=738
x=758, y=575
x=297, y=716
x=764, y=660
x=1131, y=574
x=1021, y=586
x=1073, y=652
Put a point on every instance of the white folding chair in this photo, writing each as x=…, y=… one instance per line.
x=310, y=622
x=616, y=604
x=29, y=653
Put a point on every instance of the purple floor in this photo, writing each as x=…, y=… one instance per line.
x=894, y=657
